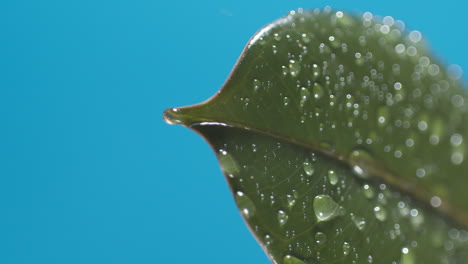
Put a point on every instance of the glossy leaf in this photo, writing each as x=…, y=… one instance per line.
x=343, y=141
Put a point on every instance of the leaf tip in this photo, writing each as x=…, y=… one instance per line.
x=172, y=116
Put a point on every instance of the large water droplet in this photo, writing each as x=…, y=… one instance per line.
x=246, y=206
x=325, y=208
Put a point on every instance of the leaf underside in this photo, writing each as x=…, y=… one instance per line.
x=343, y=141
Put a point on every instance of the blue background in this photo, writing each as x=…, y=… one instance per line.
x=89, y=172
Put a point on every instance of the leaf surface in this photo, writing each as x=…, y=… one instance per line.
x=343, y=141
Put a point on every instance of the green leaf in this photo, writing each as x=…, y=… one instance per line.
x=343, y=141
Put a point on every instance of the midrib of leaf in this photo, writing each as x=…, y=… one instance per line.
x=375, y=169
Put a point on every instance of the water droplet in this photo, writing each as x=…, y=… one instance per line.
x=407, y=256
x=277, y=36
x=305, y=38
x=433, y=69
x=360, y=161
x=315, y=71
x=170, y=116
x=360, y=222
x=284, y=70
x=291, y=200
x=326, y=209
x=383, y=115
x=246, y=206
x=256, y=84
x=415, y=36
x=359, y=59
x=317, y=90
x=346, y=248
x=400, y=48
x=288, y=259
x=436, y=201
x=457, y=100
x=320, y=238
x=457, y=158
x=268, y=240
x=333, y=177
x=308, y=168
x=456, y=139
x=304, y=94
x=228, y=163
x=420, y=172
x=282, y=217
x=294, y=68
x=368, y=191
x=380, y=213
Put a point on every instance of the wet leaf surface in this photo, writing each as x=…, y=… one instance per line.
x=343, y=141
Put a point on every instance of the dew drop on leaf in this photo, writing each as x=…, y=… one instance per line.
x=380, y=213
x=359, y=222
x=320, y=238
x=346, y=248
x=308, y=168
x=333, y=177
x=325, y=208
x=359, y=160
x=368, y=191
x=288, y=259
x=294, y=68
x=246, y=206
x=282, y=217
x=317, y=90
